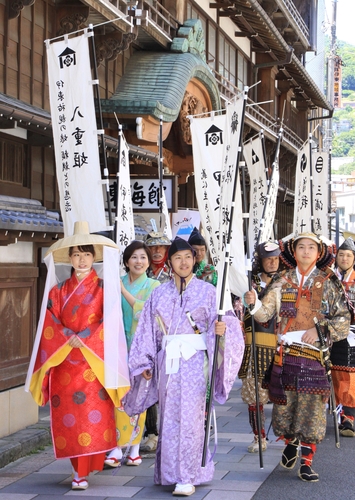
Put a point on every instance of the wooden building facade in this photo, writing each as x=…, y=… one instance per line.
x=170, y=58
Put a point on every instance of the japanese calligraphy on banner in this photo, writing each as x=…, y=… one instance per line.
x=267, y=229
x=215, y=145
x=255, y=162
x=125, y=222
x=208, y=135
x=237, y=279
x=320, y=192
x=302, y=217
x=75, y=134
x=302, y=207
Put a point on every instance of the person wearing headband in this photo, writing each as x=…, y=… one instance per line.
x=202, y=269
x=297, y=380
x=342, y=353
x=173, y=351
x=266, y=265
x=74, y=366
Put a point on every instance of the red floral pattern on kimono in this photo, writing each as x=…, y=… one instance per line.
x=82, y=410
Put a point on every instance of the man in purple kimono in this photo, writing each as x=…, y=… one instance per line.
x=173, y=350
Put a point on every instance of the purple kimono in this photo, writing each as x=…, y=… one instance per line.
x=181, y=395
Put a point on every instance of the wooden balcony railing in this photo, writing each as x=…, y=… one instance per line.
x=289, y=8
x=256, y=113
x=153, y=13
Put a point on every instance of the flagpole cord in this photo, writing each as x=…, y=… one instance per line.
x=123, y=17
x=101, y=129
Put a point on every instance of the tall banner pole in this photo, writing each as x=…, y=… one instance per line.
x=209, y=402
x=330, y=192
x=160, y=146
x=253, y=342
x=101, y=130
x=262, y=137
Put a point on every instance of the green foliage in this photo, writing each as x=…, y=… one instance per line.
x=347, y=53
x=344, y=143
x=345, y=169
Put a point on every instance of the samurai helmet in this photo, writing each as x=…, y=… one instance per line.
x=262, y=251
x=327, y=250
x=154, y=239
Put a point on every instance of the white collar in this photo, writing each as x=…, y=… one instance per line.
x=299, y=275
x=262, y=283
x=338, y=273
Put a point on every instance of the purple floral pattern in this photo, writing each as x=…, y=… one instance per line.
x=182, y=395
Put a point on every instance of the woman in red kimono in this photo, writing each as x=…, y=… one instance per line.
x=69, y=369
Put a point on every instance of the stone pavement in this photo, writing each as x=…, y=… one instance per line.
x=237, y=477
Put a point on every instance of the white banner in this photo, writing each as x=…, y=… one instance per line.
x=237, y=280
x=215, y=142
x=75, y=134
x=208, y=135
x=255, y=162
x=124, y=222
x=320, y=192
x=302, y=207
x=267, y=224
x=167, y=224
x=302, y=217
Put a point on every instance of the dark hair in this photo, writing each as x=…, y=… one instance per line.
x=131, y=248
x=82, y=248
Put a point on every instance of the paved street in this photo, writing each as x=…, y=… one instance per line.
x=238, y=475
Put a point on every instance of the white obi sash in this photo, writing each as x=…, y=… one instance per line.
x=185, y=345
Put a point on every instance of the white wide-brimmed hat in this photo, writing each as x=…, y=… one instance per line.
x=81, y=237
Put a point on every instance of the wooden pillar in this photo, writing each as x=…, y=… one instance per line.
x=266, y=89
x=286, y=93
x=302, y=121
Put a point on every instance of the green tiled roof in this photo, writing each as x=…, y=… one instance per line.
x=154, y=84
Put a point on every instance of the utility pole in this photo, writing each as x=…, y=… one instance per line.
x=327, y=144
x=330, y=73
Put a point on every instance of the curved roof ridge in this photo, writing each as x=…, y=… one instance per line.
x=154, y=84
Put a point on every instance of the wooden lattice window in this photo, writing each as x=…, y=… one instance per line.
x=13, y=162
x=17, y=323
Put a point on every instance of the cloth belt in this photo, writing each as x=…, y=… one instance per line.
x=184, y=345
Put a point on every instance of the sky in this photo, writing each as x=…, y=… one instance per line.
x=345, y=15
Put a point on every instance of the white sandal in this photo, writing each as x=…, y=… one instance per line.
x=184, y=490
x=113, y=459
x=79, y=484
